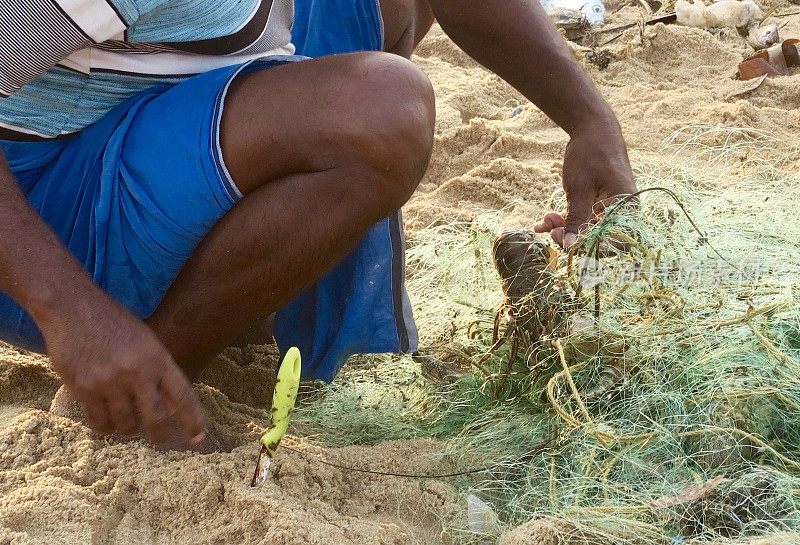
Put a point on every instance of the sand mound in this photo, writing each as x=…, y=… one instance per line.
x=59, y=484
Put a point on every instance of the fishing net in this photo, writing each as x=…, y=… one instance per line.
x=642, y=389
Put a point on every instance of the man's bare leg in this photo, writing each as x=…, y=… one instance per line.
x=322, y=150
x=405, y=24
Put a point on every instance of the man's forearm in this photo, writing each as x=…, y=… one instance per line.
x=517, y=41
x=35, y=268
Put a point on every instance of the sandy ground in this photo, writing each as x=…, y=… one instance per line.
x=60, y=484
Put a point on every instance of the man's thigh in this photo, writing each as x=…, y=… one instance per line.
x=361, y=108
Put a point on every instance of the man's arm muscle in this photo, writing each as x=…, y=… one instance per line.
x=517, y=41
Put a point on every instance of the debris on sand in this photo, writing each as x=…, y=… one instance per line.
x=763, y=36
x=594, y=11
x=777, y=60
x=722, y=14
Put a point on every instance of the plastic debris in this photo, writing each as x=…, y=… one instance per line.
x=481, y=516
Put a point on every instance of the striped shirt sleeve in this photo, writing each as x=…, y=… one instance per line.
x=37, y=34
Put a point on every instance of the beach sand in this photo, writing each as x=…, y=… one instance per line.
x=61, y=484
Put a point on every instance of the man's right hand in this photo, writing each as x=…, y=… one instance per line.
x=121, y=374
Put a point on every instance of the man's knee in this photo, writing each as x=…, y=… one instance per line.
x=370, y=111
x=397, y=135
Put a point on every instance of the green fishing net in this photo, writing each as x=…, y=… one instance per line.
x=664, y=408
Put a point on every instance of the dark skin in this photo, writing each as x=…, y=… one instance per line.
x=515, y=40
x=596, y=166
x=94, y=344
x=344, y=154
x=348, y=151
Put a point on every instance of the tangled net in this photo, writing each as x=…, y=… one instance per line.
x=663, y=406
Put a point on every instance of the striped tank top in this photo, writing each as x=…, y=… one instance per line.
x=65, y=63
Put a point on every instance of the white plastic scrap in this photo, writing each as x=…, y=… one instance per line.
x=481, y=517
x=593, y=10
x=721, y=14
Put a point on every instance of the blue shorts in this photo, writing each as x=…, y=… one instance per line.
x=330, y=27
x=132, y=196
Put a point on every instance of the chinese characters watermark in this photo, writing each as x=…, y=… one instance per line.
x=676, y=273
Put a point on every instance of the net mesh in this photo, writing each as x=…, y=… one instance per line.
x=664, y=406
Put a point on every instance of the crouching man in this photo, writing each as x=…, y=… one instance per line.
x=172, y=174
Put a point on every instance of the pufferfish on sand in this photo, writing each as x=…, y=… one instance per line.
x=593, y=10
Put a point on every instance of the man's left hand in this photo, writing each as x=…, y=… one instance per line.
x=596, y=172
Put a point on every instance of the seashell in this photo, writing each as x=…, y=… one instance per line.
x=763, y=37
